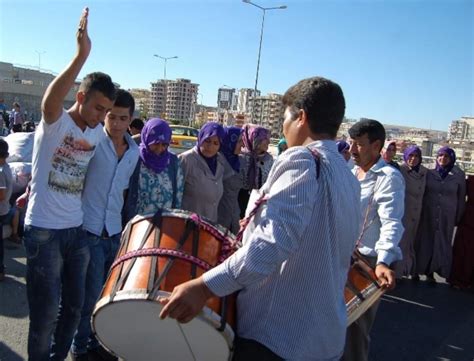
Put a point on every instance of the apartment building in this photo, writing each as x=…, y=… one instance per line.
x=174, y=100
x=268, y=111
x=27, y=86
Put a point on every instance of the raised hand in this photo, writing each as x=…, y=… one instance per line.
x=84, y=44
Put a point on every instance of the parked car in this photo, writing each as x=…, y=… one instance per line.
x=183, y=137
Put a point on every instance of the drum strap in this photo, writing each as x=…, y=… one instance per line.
x=195, y=251
x=189, y=227
x=224, y=307
x=124, y=276
x=354, y=290
x=124, y=241
x=157, y=222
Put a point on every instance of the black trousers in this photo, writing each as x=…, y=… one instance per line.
x=250, y=350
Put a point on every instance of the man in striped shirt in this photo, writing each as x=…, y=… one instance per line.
x=292, y=267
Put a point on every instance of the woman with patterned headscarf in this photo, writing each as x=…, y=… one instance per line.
x=229, y=211
x=158, y=178
x=443, y=207
x=388, y=153
x=415, y=179
x=204, y=168
x=256, y=162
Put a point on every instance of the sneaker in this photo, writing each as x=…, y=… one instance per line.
x=79, y=356
x=430, y=278
x=2, y=276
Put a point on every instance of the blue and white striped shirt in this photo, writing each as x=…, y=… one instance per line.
x=384, y=189
x=296, y=252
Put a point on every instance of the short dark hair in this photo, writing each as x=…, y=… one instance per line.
x=16, y=128
x=29, y=127
x=16, y=105
x=124, y=99
x=137, y=123
x=99, y=82
x=373, y=129
x=322, y=100
x=3, y=148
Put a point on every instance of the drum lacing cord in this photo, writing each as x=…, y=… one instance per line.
x=228, y=244
x=162, y=252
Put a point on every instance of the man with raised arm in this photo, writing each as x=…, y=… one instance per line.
x=56, y=247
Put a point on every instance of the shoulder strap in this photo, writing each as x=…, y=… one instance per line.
x=317, y=160
x=367, y=223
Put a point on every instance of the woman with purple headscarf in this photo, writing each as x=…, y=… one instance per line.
x=157, y=181
x=256, y=162
x=415, y=179
x=229, y=211
x=343, y=149
x=443, y=207
x=204, y=168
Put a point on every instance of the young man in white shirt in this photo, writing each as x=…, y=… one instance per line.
x=56, y=247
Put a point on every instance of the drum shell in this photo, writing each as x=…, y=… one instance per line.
x=362, y=288
x=141, y=275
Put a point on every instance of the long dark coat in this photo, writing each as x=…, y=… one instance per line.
x=414, y=190
x=443, y=207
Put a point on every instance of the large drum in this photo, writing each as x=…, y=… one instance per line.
x=157, y=253
x=362, y=288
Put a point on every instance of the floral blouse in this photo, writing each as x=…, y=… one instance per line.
x=155, y=190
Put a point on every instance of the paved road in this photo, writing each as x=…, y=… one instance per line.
x=417, y=321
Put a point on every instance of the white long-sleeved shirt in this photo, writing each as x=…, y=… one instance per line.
x=293, y=265
x=384, y=189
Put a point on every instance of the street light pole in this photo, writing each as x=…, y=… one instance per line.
x=166, y=60
x=264, y=10
x=39, y=58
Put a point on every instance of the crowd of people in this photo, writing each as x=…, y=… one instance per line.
x=302, y=215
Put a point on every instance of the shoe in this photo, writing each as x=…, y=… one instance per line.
x=79, y=356
x=101, y=354
x=415, y=278
x=2, y=276
x=430, y=278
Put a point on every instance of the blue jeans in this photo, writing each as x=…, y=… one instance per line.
x=56, y=269
x=102, y=251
